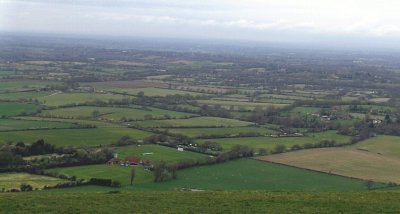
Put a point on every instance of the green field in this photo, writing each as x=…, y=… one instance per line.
x=59, y=99
x=12, y=109
x=193, y=122
x=113, y=113
x=155, y=153
x=152, y=91
x=240, y=105
x=270, y=142
x=74, y=137
x=10, y=124
x=17, y=96
x=245, y=174
x=14, y=180
x=114, y=172
x=197, y=132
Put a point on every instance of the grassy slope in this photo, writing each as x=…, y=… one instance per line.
x=201, y=202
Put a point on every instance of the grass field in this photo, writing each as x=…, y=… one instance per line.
x=153, y=91
x=113, y=113
x=59, y=99
x=243, y=174
x=196, y=132
x=155, y=153
x=194, y=122
x=12, y=109
x=202, y=202
x=14, y=180
x=16, y=96
x=270, y=142
x=239, y=105
x=10, y=124
x=74, y=137
x=114, y=172
x=343, y=161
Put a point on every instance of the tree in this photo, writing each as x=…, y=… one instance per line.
x=95, y=113
x=369, y=184
x=279, y=149
x=133, y=173
x=26, y=188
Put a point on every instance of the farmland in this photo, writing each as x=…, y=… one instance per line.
x=376, y=159
x=74, y=137
x=112, y=113
x=271, y=142
x=194, y=122
x=278, y=130
x=14, y=180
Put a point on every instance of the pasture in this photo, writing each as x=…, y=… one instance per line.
x=59, y=99
x=74, y=137
x=153, y=91
x=248, y=174
x=198, y=132
x=193, y=122
x=238, y=105
x=156, y=153
x=271, y=142
x=113, y=113
x=14, y=180
x=12, y=124
x=11, y=109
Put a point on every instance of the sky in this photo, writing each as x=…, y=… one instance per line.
x=339, y=22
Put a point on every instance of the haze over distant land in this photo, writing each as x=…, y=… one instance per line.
x=339, y=23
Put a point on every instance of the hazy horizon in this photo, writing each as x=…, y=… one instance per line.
x=353, y=23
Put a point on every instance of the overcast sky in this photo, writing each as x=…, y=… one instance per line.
x=263, y=20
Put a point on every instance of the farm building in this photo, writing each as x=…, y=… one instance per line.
x=131, y=160
x=113, y=161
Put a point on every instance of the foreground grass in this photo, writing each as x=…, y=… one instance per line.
x=201, y=202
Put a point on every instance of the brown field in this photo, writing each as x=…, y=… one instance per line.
x=130, y=84
x=343, y=161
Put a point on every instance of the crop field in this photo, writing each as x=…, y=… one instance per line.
x=23, y=85
x=12, y=109
x=59, y=99
x=113, y=113
x=388, y=146
x=14, y=180
x=156, y=153
x=198, y=132
x=343, y=161
x=10, y=124
x=74, y=137
x=194, y=122
x=271, y=142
